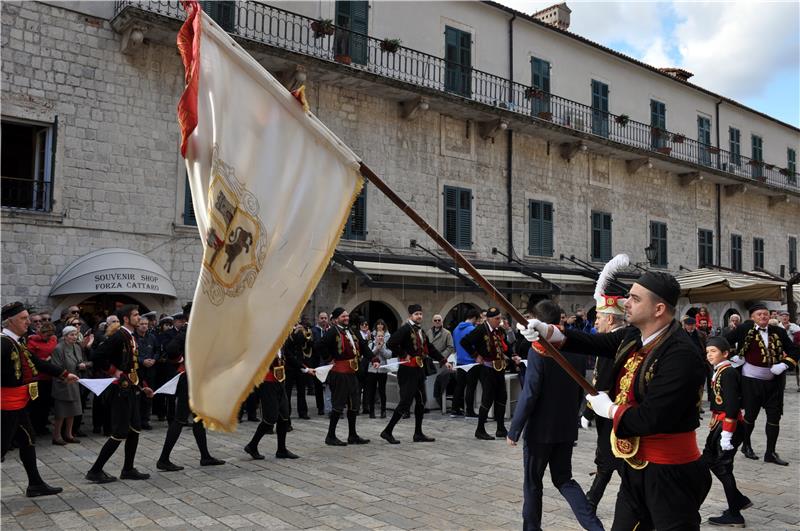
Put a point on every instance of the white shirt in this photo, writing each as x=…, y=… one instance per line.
x=650, y=338
x=11, y=334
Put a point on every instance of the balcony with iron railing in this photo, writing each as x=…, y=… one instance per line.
x=26, y=194
x=322, y=40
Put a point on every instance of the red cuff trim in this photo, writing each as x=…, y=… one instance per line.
x=729, y=425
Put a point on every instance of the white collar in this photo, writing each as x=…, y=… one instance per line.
x=650, y=338
x=722, y=364
x=11, y=334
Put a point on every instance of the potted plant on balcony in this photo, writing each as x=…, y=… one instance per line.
x=390, y=45
x=714, y=150
x=532, y=92
x=769, y=166
x=784, y=172
x=322, y=27
x=546, y=115
x=622, y=119
x=660, y=133
x=678, y=138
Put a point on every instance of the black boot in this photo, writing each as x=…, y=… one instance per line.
x=128, y=470
x=252, y=447
x=480, y=431
x=595, y=493
x=352, y=436
x=96, y=473
x=747, y=448
x=331, y=439
x=419, y=414
x=736, y=500
x=728, y=519
x=36, y=485
x=386, y=434
x=500, y=418
x=282, y=430
x=163, y=463
x=772, y=439
x=200, y=437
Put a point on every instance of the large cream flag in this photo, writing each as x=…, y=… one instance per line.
x=273, y=188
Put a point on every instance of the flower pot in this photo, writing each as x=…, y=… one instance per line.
x=344, y=59
x=678, y=139
x=321, y=28
x=622, y=119
x=531, y=93
x=390, y=45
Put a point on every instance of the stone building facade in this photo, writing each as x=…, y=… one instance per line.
x=117, y=179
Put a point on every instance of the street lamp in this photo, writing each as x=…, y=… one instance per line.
x=652, y=253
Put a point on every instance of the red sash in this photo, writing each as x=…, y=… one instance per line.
x=669, y=448
x=14, y=398
x=342, y=366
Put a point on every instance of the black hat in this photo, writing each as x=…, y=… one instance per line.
x=689, y=320
x=179, y=315
x=414, y=308
x=757, y=306
x=662, y=284
x=492, y=312
x=720, y=342
x=187, y=309
x=11, y=309
x=337, y=312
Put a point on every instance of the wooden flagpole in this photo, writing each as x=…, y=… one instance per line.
x=490, y=290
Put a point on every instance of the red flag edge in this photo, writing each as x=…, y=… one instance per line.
x=189, y=48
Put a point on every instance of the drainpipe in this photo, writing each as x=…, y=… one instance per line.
x=719, y=195
x=509, y=143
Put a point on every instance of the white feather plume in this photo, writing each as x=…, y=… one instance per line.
x=609, y=270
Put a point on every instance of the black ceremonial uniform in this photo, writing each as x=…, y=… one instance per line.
x=175, y=353
x=297, y=351
x=490, y=345
x=344, y=348
x=19, y=367
x=725, y=416
x=657, y=388
x=274, y=410
x=761, y=388
x=411, y=345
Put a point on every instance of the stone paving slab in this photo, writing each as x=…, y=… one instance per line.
x=455, y=483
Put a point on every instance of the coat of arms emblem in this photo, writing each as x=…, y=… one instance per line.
x=235, y=243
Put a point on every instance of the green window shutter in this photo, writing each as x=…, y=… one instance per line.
x=758, y=253
x=540, y=228
x=736, y=252
x=465, y=219
x=540, y=80
x=658, y=121
x=353, y=19
x=791, y=165
x=188, y=206
x=458, y=58
x=223, y=12
x=599, y=108
x=601, y=236
x=705, y=247
x=792, y=254
x=658, y=239
x=450, y=214
x=356, y=227
x=734, y=137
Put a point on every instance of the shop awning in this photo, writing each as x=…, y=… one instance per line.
x=709, y=285
x=113, y=271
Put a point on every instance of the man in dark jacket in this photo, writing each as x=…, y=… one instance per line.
x=653, y=406
x=19, y=368
x=547, y=409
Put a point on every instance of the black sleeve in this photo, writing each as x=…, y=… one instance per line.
x=328, y=349
x=604, y=345
x=395, y=340
x=788, y=345
x=47, y=367
x=176, y=348
x=469, y=342
x=731, y=392
x=105, y=354
x=735, y=336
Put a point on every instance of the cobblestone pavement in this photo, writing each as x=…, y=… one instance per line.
x=457, y=482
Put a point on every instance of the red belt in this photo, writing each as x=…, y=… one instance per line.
x=343, y=366
x=14, y=398
x=669, y=448
x=413, y=361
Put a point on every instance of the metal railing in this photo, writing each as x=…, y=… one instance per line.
x=297, y=33
x=26, y=194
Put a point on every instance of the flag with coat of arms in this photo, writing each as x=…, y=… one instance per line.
x=272, y=189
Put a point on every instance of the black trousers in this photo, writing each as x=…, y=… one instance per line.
x=376, y=381
x=663, y=497
x=345, y=391
x=493, y=384
x=124, y=405
x=274, y=402
x=312, y=382
x=296, y=379
x=558, y=456
x=17, y=429
x=411, y=381
x=148, y=375
x=41, y=407
x=466, y=382
x=767, y=394
x=721, y=464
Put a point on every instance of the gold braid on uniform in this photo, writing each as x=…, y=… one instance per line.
x=767, y=355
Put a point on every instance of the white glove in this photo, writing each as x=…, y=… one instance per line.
x=725, y=440
x=529, y=333
x=584, y=423
x=778, y=368
x=737, y=361
x=602, y=405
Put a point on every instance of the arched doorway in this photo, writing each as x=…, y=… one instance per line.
x=727, y=315
x=457, y=314
x=374, y=310
x=105, y=304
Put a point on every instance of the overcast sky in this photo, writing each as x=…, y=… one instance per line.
x=748, y=51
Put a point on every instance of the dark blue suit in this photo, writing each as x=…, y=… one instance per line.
x=547, y=410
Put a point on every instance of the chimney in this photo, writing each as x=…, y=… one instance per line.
x=556, y=15
x=677, y=73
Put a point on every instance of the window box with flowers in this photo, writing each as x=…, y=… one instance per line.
x=531, y=93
